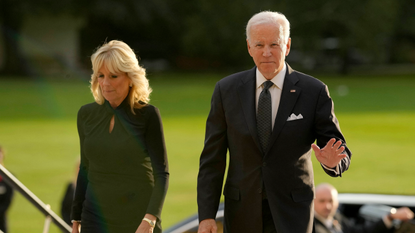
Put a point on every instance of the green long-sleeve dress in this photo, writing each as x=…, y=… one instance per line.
x=123, y=173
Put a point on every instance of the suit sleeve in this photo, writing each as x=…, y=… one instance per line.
x=82, y=180
x=157, y=151
x=370, y=227
x=327, y=127
x=213, y=159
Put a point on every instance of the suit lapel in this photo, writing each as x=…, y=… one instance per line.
x=246, y=93
x=289, y=96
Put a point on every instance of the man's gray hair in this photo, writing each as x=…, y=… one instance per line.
x=270, y=17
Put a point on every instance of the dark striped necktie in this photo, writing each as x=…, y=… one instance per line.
x=264, y=116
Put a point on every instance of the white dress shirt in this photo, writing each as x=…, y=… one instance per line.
x=275, y=90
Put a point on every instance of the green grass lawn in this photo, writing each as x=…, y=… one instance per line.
x=38, y=131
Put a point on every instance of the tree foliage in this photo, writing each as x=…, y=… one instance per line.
x=12, y=16
x=211, y=33
x=363, y=26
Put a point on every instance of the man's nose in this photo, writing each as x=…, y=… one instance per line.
x=329, y=206
x=266, y=52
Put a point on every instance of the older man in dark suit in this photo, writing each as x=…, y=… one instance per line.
x=268, y=118
x=328, y=220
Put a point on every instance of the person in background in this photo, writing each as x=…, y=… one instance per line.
x=6, y=196
x=328, y=220
x=66, y=204
x=268, y=119
x=123, y=176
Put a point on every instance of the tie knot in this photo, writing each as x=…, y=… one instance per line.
x=267, y=84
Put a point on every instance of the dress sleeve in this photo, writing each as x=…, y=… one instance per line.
x=327, y=127
x=154, y=139
x=82, y=180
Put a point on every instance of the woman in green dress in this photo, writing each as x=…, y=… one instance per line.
x=123, y=175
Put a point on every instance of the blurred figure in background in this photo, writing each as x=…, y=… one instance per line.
x=66, y=203
x=328, y=220
x=6, y=195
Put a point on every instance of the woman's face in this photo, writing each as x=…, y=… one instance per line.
x=114, y=87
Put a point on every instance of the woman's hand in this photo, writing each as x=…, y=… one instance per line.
x=145, y=226
x=76, y=227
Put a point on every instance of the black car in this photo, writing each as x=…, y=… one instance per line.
x=358, y=207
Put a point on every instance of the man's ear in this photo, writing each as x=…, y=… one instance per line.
x=249, y=47
x=288, y=47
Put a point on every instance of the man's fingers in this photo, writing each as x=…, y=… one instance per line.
x=333, y=145
x=207, y=226
x=330, y=143
x=340, y=150
x=315, y=148
x=342, y=156
x=338, y=144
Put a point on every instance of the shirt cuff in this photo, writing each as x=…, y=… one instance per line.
x=388, y=223
x=336, y=169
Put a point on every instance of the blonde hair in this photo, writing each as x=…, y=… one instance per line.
x=270, y=17
x=118, y=57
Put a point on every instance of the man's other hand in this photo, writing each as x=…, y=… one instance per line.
x=207, y=226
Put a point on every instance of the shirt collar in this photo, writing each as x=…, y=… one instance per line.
x=326, y=221
x=278, y=79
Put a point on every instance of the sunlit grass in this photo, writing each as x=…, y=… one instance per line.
x=38, y=131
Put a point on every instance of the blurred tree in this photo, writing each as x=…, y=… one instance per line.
x=211, y=33
x=329, y=32
x=356, y=25
x=10, y=22
x=145, y=25
x=402, y=45
x=12, y=15
x=142, y=24
x=214, y=32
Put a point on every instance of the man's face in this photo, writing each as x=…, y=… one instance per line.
x=267, y=49
x=326, y=202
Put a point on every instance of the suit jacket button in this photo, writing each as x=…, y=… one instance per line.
x=260, y=190
x=264, y=164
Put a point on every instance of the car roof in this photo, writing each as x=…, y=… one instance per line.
x=383, y=199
